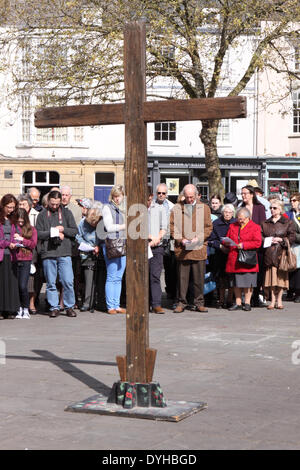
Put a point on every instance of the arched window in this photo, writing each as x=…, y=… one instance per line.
x=43, y=180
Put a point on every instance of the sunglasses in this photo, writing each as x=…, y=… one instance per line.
x=293, y=200
x=274, y=207
x=161, y=193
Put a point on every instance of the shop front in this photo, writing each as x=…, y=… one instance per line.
x=176, y=172
x=282, y=177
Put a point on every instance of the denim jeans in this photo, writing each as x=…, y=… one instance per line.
x=63, y=267
x=115, y=268
x=23, y=276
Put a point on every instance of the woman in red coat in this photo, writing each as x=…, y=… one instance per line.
x=246, y=235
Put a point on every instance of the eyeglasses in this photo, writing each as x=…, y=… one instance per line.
x=160, y=193
x=245, y=193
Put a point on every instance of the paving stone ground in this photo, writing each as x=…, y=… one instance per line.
x=244, y=365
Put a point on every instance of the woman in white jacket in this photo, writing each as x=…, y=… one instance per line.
x=114, y=225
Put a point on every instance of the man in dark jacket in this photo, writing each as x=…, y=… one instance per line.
x=56, y=229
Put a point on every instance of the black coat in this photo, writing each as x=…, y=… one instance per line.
x=218, y=260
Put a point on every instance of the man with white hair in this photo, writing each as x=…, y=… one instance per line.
x=191, y=226
x=66, y=195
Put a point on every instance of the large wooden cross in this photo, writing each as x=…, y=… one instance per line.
x=138, y=364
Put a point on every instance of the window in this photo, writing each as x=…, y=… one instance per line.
x=224, y=135
x=26, y=118
x=165, y=131
x=168, y=52
x=296, y=111
x=78, y=134
x=53, y=134
x=104, y=179
x=39, y=178
x=50, y=134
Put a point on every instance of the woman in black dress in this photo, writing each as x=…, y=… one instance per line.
x=9, y=297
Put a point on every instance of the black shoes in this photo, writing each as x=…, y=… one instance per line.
x=247, y=307
x=235, y=307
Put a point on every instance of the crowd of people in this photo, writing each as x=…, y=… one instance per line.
x=239, y=245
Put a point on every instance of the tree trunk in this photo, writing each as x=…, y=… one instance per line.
x=208, y=137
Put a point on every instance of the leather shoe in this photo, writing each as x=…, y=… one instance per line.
x=158, y=309
x=70, y=312
x=235, y=307
x=54, y=313
x=121, y=310
x=178, y=309
x=247, y=307
x=112, y=311
x=201, y=309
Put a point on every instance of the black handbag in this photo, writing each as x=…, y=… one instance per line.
x=248, y=257
x=115, y=247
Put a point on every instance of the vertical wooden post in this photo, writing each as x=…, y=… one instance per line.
x=137, y=276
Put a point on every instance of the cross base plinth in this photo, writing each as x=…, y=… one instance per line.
x=173, y=411
x=129, y=395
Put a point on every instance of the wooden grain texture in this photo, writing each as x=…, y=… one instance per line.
x=150, y=111
x=121, y=361
x=137, y=274
x=81, y=115
x=195, y=109
x=150, y=363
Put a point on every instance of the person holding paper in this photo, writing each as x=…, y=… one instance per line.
x=243, y=277
x=276, y=229
x=190, y=227
x=158, y=225
x=26, y=238
x=89, y=250
x=219, y=258
x=57, y=229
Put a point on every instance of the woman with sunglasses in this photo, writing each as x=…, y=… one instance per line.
x=277, y=228
x=294, y=277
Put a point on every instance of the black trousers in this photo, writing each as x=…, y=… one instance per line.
x=155, y=269
x=198, y=270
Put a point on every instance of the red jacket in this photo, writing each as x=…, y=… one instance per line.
x=250, y=237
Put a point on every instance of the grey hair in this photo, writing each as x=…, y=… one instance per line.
x=191, y=186
x=65, y=186
x=279, y=204
x=162, y=184
x=229, y=207
x=25, y=197
x=243, y=210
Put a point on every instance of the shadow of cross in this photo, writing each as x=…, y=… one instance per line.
x=135, y=113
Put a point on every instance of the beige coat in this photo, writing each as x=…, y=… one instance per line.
x=184, y=224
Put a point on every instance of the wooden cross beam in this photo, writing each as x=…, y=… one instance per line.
x=135, y=113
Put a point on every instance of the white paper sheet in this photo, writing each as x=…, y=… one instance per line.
x=54, y=232
x=85, y=247
x=268, y=242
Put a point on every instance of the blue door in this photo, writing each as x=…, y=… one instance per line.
x=101, y=193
